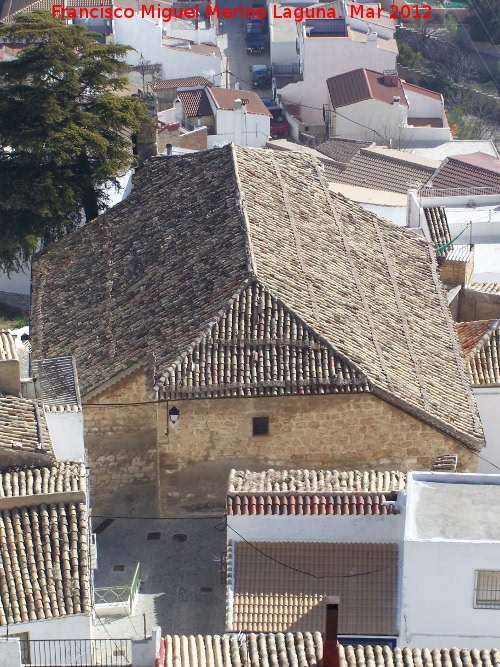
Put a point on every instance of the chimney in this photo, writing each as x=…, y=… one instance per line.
x=169, y=149
x=396, y=99
x=390, y=77
x=331, y=656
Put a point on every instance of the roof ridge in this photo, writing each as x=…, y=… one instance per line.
x=241, y=206
x=495, y=324
x=367, y=81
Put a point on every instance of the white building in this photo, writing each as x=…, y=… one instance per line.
x=369, y=105
x=480, y=343
x=178, y=56
x=451, y=575
x=329, y=47
x=231, y=116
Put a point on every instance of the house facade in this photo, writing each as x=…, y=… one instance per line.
x=245, y=346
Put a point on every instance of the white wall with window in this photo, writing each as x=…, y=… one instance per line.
x=451, y=561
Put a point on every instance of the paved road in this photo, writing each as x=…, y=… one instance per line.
x=234, y=49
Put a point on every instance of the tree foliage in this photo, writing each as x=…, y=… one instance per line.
x=407, y=56
x=484, y=20
x=64, y=132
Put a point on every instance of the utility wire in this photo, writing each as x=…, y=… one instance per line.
x=311, y=574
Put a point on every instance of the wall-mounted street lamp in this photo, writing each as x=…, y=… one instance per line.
x=173, y=413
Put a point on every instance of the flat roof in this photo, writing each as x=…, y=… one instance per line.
x=453, y=507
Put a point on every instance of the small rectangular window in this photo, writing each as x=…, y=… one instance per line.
x=261, y=425
x=487, y=589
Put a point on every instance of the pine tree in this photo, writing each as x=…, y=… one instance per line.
x=64, y=132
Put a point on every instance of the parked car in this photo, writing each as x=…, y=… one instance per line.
x=255, y=38
x=261, y=76
x=279, y=126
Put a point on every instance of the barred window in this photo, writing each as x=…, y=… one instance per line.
x=487, y=589
x=261, y=425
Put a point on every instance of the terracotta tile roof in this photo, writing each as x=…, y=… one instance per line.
x=456, y=172
x=44, y=562
x=480, y=160
x=307, y=504
x=342, y=150
x=273, y=590
x=254, y=225
x=489, y=288
x=483, y=358
x=438, y=227
x=470, y=333
x=8, y=348
x=279, y=355
x=195, y=103
x=44, y=538
x=12, y=7
x=224, y=99
x=24, y=434
x=63, y=477
x=375, y=170
x=305, y=649
x=186, y=82
x=314, y=481
x=362, y=84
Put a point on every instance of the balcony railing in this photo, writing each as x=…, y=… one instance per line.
x=76, y=652
x=120, y=595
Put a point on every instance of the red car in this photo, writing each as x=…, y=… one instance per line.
x=279, y=126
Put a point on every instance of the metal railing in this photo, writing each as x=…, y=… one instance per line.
x=286, y=69
x=76, y=652
x=120, y=594
x=459, y=192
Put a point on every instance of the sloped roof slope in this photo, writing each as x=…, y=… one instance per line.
x=362, y=84
x=271, y=598
x=342, y=150
x=145, y=282
x=481, y=344
x=24, y=434
x=44, y=533
x=371, y=169
x=464, y=171
x=306, y=650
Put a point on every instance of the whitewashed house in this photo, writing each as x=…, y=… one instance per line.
x=327, y=48
x=370, y=105
x=451, y=571
x=413, y=557
x=230, y=116
x=178, y=56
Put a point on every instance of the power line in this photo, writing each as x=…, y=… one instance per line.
x=311, y=574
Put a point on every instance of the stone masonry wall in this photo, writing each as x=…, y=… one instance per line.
x=121, y=444
x=345, y=432
x=478, y=306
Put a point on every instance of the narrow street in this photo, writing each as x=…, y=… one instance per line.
x=233, y=46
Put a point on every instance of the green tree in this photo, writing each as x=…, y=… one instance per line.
x=64, y=132
x=484, y=20
x=407, y=56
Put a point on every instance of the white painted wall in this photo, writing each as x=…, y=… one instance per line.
x=325, y=57
x=118, y=194
x=438, y=593
x=451, y=531
x=396, y=214
x=66, y=433
x=17, y=283
x=145, y=36
x=10, y=652
x=422, y=106
x=72, y=626
x=324, y=528
x=488, y=403
x=384, y=120
x=232, y=126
